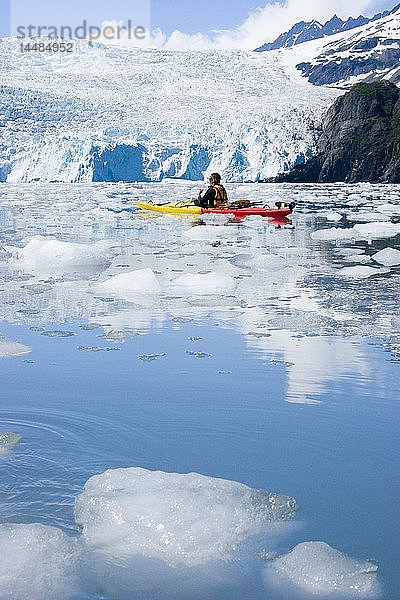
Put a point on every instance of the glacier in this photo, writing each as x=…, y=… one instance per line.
x=106, y=113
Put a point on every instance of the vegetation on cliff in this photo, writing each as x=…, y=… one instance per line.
x=359, y=141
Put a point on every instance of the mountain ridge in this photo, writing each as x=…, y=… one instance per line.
x=305, y=31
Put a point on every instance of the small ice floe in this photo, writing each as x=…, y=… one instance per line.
x=9, y=348
x=390, y=209
x=366, y=217
x=151, y=357
x=360, y=272
x=198, y=354
x=210, y=233
x=37, y=562
x=269, y=262
x=208, y=283
x=118, y=336
x=335, y=234
x=347, y=252
x=58, y=333
x=7, y=441
x=131, y=285
x=182, y=319
x=48, y=255
x=331, y=215
x=97, y=348
x=89, y=326
x=361, y=259
x=320, y=569
x=390, y=257
x=376, y=230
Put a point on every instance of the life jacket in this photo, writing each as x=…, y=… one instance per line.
x=220, y=194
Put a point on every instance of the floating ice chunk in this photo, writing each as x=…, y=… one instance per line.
x=348, y=251
x=37, y=562
x=47, y=254
x=9, y=348
x=210, y=232
x=320, y=569
x=150, y=357
x=389, y=257
x=331, y=215
x=209, y=283
x=361, y=259
x=392, y=209
x=377, y=230
x=130, y=285
x=335, y=234
x=293, y=251
x=57, y=333
x=359, y=272
x=270, y=262
x=182, y=519
x=118, y=336
x=7, y=441
x=366, y=217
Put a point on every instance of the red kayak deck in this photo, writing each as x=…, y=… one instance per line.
x=273, y=213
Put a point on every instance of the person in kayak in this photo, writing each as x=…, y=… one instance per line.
x=214, y=195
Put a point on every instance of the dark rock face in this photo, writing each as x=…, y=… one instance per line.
x=360, y=139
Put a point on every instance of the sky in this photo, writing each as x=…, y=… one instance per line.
x=179, y=24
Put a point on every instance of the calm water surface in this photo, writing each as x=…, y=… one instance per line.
x=284, y=376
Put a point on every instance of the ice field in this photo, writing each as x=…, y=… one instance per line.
x=195, y=407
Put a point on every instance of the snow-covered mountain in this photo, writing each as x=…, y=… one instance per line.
x=305, y=31
x=367, y=53
x=111, y=113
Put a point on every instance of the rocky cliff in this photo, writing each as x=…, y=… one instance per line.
x=359, y=141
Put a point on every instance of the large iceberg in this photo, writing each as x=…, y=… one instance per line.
x=180, y=518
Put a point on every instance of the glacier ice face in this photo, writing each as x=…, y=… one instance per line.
x=37, y=562
x=322, y=570
x=182, y=519
x=130, y=119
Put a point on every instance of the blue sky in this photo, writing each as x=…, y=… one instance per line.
x=185, y=15
x=192, y=17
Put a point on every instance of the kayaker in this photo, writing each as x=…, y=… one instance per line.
x=214, y=195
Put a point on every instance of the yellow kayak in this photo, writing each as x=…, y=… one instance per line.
x=171, y=207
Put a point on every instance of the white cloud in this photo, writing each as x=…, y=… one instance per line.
x=262, y=25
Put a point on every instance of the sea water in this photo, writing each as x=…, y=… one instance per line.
x=197, y=408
